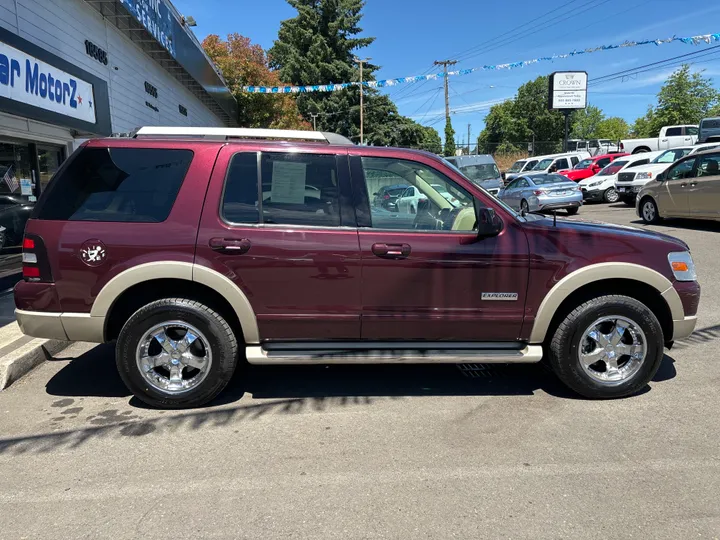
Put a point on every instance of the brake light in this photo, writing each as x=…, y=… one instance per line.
x=538, y=192
x=622, y=147
x=386, y=197
x=36, y=266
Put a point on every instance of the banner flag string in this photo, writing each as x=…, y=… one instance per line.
x=334, y=87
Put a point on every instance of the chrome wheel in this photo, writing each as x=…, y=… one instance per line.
x=612, y=350
x=648, y=211
x=173, y=357
x=611, y=195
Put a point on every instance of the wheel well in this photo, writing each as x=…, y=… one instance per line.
x=144, y=293
x=641, y=149
x=642, y=292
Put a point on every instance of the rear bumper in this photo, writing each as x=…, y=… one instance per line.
x=62, y=326
x=556, y=205
x=593, y=195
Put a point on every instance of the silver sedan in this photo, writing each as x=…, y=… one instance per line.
x=541, y=192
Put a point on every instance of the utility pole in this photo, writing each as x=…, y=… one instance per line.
x=445, y=64
x=361, y=62
x=468, y=139
x=314, y=116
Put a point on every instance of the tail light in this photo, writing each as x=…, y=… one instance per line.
x=36, y=266
x=622, y=147
x=539, y=192
x=386, y=197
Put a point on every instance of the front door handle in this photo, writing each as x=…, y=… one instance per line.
x=392, y=251
x=236, y=246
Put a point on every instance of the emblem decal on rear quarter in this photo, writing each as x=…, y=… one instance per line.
x=503, y=296
x=93, y=252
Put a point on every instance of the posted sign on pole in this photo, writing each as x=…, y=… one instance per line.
x=568, y=90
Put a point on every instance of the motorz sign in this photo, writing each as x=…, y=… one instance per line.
x=568, y=90
x=28, y=80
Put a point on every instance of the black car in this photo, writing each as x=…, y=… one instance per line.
x=386, y=196
x=14, y=213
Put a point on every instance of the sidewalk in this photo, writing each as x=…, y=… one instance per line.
x=19, y=353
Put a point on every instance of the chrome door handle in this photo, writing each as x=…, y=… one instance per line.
x=392, y=251
x=230, y=245
x=693, y=184
x=683, y=185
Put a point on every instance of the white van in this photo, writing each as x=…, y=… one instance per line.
x=539, y=164
x=601, y=187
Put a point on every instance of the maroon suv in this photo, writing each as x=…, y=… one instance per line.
x=196, y=249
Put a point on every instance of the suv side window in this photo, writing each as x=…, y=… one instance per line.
x=136, y=185
x=672, y=132
x=300, y=189
x=443, y=205
x=240, y=198
x=562, y=164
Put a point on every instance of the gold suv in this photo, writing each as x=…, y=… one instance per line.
x=690, y=188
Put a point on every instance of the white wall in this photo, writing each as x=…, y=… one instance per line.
x=62, y=26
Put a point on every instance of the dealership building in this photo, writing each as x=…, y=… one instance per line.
x=76, y=69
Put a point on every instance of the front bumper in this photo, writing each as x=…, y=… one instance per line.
x=568, y=201
x=628, y=190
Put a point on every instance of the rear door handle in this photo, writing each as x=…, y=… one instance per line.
x=230, y=245
x=392, y=251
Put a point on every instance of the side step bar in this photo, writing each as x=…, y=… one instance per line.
x=394, y=353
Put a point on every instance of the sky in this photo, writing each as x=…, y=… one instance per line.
x=411, y=34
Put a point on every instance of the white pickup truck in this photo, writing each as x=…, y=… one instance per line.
x=670, y=137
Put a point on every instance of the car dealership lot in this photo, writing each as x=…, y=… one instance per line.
x=371, y=452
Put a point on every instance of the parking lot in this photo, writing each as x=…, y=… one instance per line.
x=374, y=452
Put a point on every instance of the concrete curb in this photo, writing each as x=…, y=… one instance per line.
x=19, y=353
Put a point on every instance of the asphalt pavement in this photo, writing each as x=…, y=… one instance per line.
x=373, y=452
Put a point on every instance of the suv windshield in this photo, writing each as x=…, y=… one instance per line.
x=543, y=164
x=479, y=173
x=517, y=166
x=584, y=164
x=671, y=156
x=613, y=168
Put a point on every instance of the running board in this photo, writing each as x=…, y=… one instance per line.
x=390, y=353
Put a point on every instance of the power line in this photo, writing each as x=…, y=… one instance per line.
x=437, y=91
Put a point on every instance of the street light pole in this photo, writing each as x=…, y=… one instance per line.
x=314, y=117
x=362, y=112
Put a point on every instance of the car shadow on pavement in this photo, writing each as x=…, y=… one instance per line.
x=285, y=390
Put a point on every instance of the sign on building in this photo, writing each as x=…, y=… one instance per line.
x=157, y=19
x=568, y=90
x=27, y=80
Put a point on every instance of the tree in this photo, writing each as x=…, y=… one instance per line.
x=243, y=63
x=586, y=123
x=431, y=140
x=685, y=98
x=613, y=128
x=449, y=149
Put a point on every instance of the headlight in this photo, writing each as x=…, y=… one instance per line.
x=682, y=266
x=643, y=176
x=595, y=184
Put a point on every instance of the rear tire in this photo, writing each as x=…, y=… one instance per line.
x=572, y=211
x=162, y=375
x=649, y=210
x=571, y=349
x=524, y=207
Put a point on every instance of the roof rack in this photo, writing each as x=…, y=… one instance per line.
x=242, y=133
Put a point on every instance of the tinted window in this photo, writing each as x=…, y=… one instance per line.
x=117, y=184
x=517, y=166
x=574, y=160
x=691, y=130
x=604, y=162
x=562, y=164
x=638, y=163
x=530, y=164
x=480, y=173
x=300, y=189
x=240, y=200
x=670, y=132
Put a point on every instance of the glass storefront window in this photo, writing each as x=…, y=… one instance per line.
x=49, y=160
x=16, y=170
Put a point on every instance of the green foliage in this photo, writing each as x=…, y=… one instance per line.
x=586, y=123
x=449, y=149
x=685, y=98
x=613, y=128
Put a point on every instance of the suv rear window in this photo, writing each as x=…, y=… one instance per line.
x=116, y=184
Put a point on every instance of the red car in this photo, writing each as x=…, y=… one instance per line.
x=590, y=167
x=196, y=250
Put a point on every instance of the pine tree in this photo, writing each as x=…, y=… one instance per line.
x=449, y=139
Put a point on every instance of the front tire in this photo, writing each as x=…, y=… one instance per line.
x=176, y=353
x=524, y=207
x=649, y=210
x=608, y=347
x=611, y=196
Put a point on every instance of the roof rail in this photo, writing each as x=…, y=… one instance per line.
x=242, y=133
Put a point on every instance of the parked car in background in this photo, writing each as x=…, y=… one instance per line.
x=690, y=188
x=165, y=245
x=630, y=182
x=542, y=192
x=594, y=147
x=481, y=170
x=387, y=196
x=14, y=213
x=601, y=187
x=409, y=201
x=553, y=164
x=709, y=130
x=590, y=166
x=523, y=166
x=670, y=137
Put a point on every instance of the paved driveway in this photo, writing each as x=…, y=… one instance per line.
x=373, y=452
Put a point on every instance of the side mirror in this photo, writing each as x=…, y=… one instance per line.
x=661, y=177
x=596, y=168
x=488, y=223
